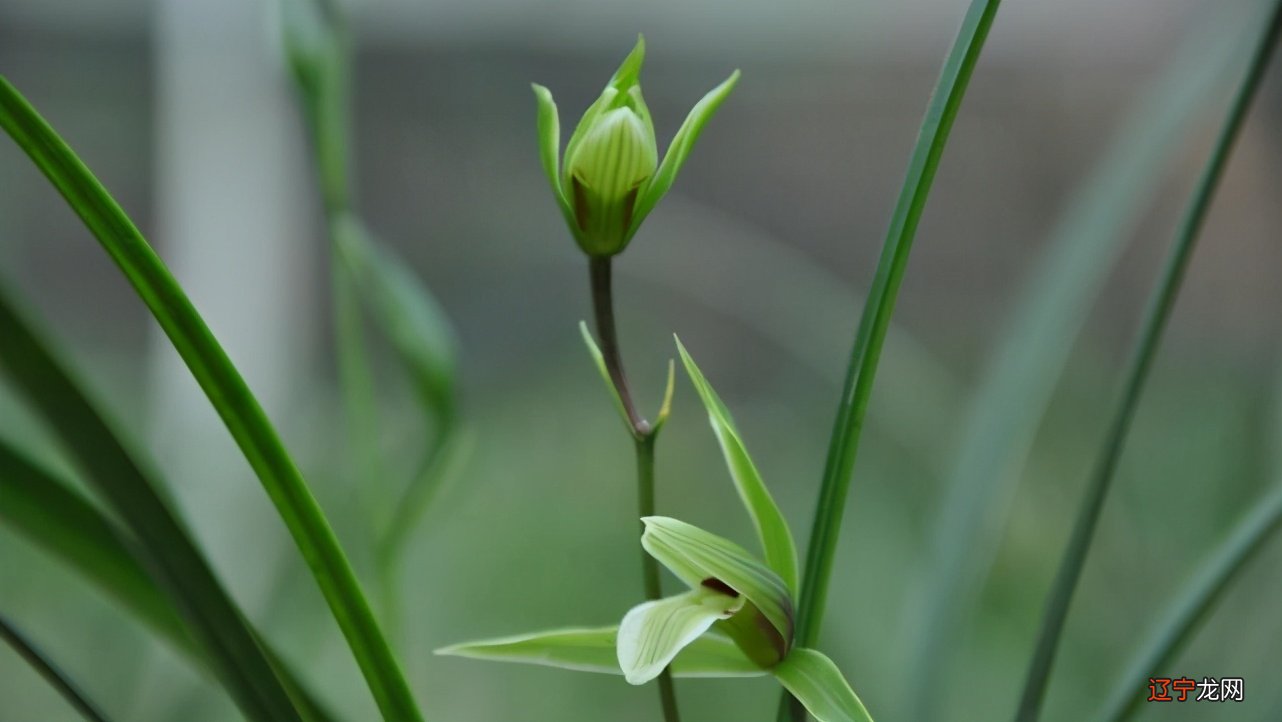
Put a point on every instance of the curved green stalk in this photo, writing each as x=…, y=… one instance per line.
x=47, y=669
x=644, y=435
x=227, y=392
x=1141, y=362
x=871, y=335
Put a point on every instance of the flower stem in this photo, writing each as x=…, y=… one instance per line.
x=643, y=434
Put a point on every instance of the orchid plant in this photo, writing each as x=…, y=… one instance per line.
x=736, y=618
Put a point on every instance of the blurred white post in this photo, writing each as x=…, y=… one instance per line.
x=232, y=224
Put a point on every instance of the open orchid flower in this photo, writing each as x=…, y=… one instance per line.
x=611, y=176
x=734, y=620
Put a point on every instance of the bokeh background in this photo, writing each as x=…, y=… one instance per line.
x=758, y=259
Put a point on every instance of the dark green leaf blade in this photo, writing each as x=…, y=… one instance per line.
x=39, y=506
x=212, y=616
x=843, y=446
x=228, y=393
x=49, y=513
x=57, y=679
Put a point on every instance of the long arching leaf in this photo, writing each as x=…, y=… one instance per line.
x=944, y=105
x=35, y=503
x=211, y=614
x=227, y=392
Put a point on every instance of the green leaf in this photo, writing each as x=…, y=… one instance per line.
x=772, y=528
x=1156, y=318
x=679, y=149
x=405, y=310
x=1178, y=623
x=599, y=360
x=39, y=506
x=861, y=371
x=549, y=131
x=595, y=650
x=212, y=616
x=233, y=401
x=696, y=556
x=817, y=683
x=1038, y=338
x=56, y=678
x=651, y=634
x=45, y=510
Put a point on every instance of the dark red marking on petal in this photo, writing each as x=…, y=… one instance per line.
x=717, y=585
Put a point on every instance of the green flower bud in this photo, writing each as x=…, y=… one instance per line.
x=612, y=174
x=605, y=175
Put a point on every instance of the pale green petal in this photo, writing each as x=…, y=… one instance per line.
x=696, y=556
x=772, y=528
x=595, y=650
x=599, y=360
x=599, y=106
x=652, y=633
x=679, y=150
x=616, y=155
x=549, y=131
x=817, y=683
x=627, y=76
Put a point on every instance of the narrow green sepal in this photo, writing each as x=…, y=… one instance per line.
x=817, y=683
x=679, y=150
x=772, y=528
x=549, y=131
x=595, y=650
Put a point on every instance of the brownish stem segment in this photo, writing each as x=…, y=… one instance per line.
x=644, y=437
x=603, y=305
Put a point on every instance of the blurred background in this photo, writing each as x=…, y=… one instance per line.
x=1082, y=132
